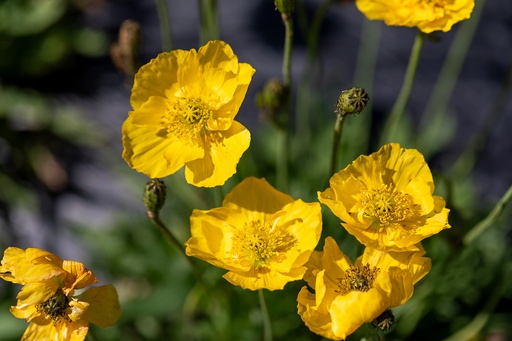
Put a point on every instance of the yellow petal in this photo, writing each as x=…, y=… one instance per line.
x=153, y=154
x=104, y=309
x=30, y=265
x=264, y=278
x=223, y=151
x=80, y=276
x=36, y=292
x=263, y=199
x=157, y=77
x=150, y=112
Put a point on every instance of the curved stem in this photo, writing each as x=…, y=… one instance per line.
x=283, y=136
x=155, y=219
x=491, y=218
x=390, y=129
x=267, y=325
x=165, y=27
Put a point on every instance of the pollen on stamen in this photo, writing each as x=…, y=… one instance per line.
x=261, y=242
x=357, y=278
x=187, y=118
x=55, y=307
x=386, y=205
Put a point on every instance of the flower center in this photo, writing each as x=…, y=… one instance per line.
x=261, y=243
x=357, y=278
x=55, y=307
x=187, y=118
x=385, y=205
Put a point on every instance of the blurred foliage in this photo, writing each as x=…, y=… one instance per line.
x=468, y=291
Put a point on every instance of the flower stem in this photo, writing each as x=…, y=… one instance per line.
x=391, y=126
x=209, y=22
x=165, y=27
x=490, y=220
x=267, y=325
x=338, y=130
x=283, y=135
x=155, y=219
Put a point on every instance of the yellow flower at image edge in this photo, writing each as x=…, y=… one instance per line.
x=427, y=15
x=348, y=295
x=262, y=236
x=184, y=105
x=47, y=299
x=385, y=199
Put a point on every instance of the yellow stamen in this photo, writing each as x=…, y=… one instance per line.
x=385, y=205
x=357, y=278
x=262, y=243
x=187, y=119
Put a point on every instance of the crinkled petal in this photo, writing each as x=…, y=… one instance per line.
x=264, y=278
x=36, y=292
x=30, y=265
x=155, y=154
x=223, y=151
x=79, y=276
x=104, y=309
x=157, y=77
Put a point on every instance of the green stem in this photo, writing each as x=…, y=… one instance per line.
x=393, y=122
x=165, y=27
x=433, y=122
x=283, y=135
x=314, y=32
x=267, y=325
x=338, y=130
x=209, y=22
x=490, y=220
x=155, y=219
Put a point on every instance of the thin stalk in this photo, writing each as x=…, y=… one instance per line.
x=433, y=121
x=390, y=129
x=155, y=219
x=364, y=75
x=209, y=21
x=283, y=134
x=490, y=220
x=314, y=32
x=338, y=130
x=267, y=325
x=165, y=27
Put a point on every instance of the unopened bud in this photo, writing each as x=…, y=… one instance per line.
x=270, y=99
x=286, y=7
x=352, y=101
x=124, y=52
x=384, y=321
x=154, y=197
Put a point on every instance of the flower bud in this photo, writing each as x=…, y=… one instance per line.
x=125, y=51
x=154, y=196
x=352, y=101
x=384, y=321
x=270, y=99
x=286, y=7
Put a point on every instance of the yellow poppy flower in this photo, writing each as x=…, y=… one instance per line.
x=47, y=299
x=262, y=236
x=346, y=296
x=184, y=105
x=385, y=200
x=427, y=15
